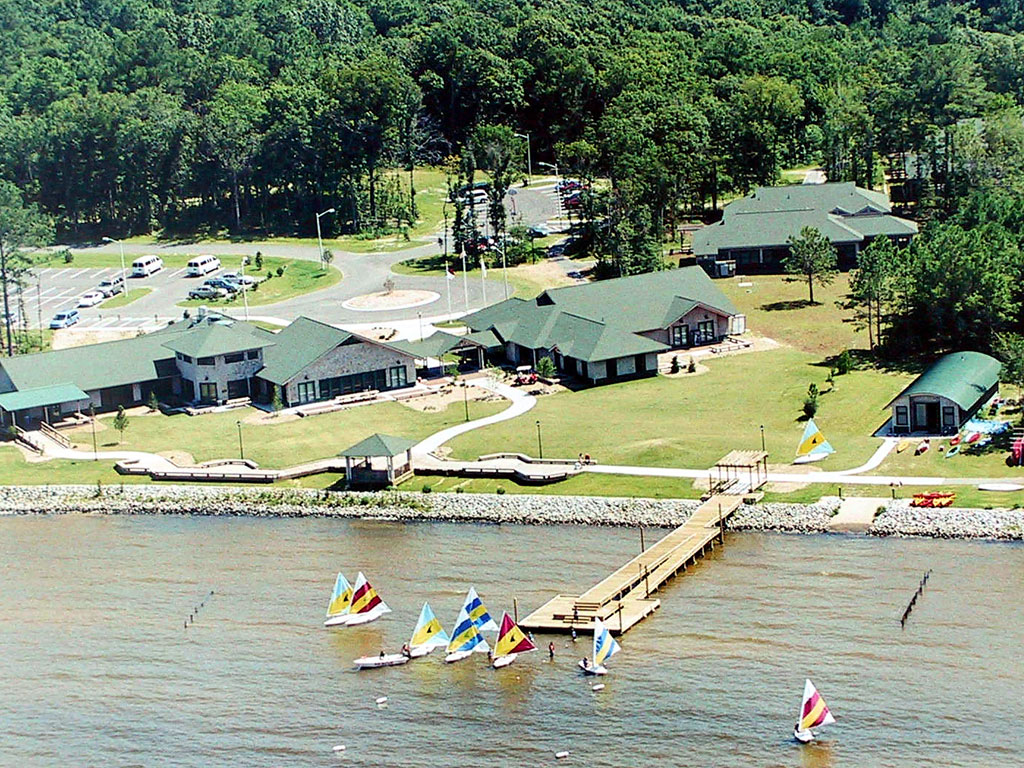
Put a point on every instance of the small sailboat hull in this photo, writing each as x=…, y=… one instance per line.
x=503, y=661
x=338, y=621
x=1004, y=487
x=419, y=651
x=804, y=737
x=355, y=619
x=810, y=458
x=592, y=669
x=451, y=658
x=376, y=662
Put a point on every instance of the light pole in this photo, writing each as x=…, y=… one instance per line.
x=319, y=238
x=762, y=439
x=120, y=247
x=241, y=451
x=529, y=161
x=92, y=422
x=245, y=289
x=540, y=443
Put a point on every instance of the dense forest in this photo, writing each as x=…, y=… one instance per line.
x=130, y=116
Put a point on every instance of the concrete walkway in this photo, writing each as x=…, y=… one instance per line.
x=856, y=515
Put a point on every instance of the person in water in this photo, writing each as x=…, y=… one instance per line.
x=405, y=651
x=585, y=662
x=573, y=631
x=551, y=651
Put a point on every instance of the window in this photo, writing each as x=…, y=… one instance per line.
x=306, y=391
x=207, y=361
x=390, y=378
x=238, y=388
x=705, y=331
x=237, y=357
x=396, y=377
x=680, y=336
x=253, y=354
x=185, y=358
x=948, y=417
x=901, y=416
x=207, y=392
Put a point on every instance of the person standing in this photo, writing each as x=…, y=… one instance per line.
x=551, y=651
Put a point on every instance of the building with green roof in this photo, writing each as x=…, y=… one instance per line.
x=612, y=329
x=946, y=395
x=205, y=359
x=755, y=230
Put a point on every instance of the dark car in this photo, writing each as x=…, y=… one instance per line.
x=225, y=285
x=575, y=200
x=568, y=185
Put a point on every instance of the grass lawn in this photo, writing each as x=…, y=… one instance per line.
x=125, y=298
x=525, y=281
x=776, y=306
x=693, y=421
x=580, y=485
x=300, y=277
x=796, y=175
x=104, y=260
x=215, y=435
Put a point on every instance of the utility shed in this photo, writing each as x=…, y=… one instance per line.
x=372, y=462
x=945, y=396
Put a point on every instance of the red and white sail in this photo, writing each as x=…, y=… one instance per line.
x=813, y=710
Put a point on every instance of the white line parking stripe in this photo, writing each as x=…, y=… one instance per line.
x=177, y=272
x=58, y=273
x=106, y=323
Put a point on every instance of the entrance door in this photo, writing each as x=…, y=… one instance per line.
x=680, y=336
x=207, y=392
x=926, y=417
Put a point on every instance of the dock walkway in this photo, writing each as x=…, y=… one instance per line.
x=623, y=599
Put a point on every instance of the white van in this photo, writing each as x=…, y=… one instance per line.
x=146, y=266
x=202, y=265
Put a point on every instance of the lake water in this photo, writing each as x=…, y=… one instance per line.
x=96, y=667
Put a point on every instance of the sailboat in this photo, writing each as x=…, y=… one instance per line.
x=511, y=642
x=341, y=602
x=813, y=445
x=466, y=638
x=366, y=603
x=478, y=613
x=604, y=648
x=813, y=713
x=428, y=634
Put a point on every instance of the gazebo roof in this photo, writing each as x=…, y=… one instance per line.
x=742, y=459
x=379, y=445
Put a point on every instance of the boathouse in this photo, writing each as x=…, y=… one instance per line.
x=945, y=396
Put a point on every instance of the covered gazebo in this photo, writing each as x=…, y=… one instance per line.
x=27, y=407
x=379, y=460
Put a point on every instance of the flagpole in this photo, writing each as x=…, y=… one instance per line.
x=483, y=278
x=465, y=281
x=448, y=277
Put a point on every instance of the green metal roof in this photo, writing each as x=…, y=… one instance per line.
x=379, y=445
x=963, y=377
x=486, y=339
x=40, y=397
x=843, y=196
x=217, y=338
x=297, y=346
x=435, y=345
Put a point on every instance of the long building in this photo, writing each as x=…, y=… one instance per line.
x=208, y=359
x=755, y=231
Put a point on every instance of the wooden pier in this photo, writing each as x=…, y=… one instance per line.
x=623, y=599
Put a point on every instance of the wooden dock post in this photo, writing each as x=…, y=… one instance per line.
x=515, y=609
x=642, y=547
x=721, y=529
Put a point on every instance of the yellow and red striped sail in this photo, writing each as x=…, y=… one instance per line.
x=365, y=598
x=511, y=639
x=813, y=711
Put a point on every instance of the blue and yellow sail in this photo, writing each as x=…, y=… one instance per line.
x=604, y=644
x=466, y=636
x=813, y=446
x=478, y=613
x=341, y=597
x=428, y=632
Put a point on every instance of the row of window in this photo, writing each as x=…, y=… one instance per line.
x=704, y=333
x=235, y=357
x=903, y=416
x=325, y=389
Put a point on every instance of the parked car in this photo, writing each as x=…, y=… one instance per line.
x=573, y=201
x=537, y=230
x=64, y=319
x=238, y=279
x=558, y=249
x=111, y=286
x=202, y=265
x=568, y=185
x=207, y=292
x=146, y=266
x=226, y=285
x=90, y=298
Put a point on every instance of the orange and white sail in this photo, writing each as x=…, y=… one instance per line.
x=813, y=711
x=511, y=639
x=365, y=600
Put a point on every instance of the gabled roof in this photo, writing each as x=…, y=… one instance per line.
x=220, y=338
x=843, y=197
x=379, y=445
x=297, y=346
x=41, y=397
x=591, y=341
x=963, y=377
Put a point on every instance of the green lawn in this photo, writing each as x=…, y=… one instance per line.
x=776, y=306
x=693, y=421
x=300, y=277
x=523, y=281
x=125, y=298
x=580, y=485
x=215, y=435
x=104, y=260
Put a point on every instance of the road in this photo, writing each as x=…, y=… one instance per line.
x=363, y=273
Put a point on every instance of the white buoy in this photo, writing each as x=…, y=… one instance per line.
x=382, y=700
x=562, y=755
x=339, y=747
x=597, y=687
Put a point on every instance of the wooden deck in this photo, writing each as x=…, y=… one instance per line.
x=623, y=599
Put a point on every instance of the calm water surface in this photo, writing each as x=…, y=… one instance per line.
x=96, y=668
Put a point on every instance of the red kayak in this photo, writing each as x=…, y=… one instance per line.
x=974, y=437
x=955, y=440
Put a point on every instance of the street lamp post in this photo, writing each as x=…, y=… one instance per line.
x=92, y=422
x=241, y=451
x=319, y=238
x=529, y=160
x=245, y=289
x=120, y=247
x=540, y=443
x=762, y=438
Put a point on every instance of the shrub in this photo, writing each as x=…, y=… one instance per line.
x=500, y=491
x=844, y=363
x=545, y=368
x=280, y=270
x=675, y=364
x=427, y=489
x=811, y=401
x=259, y=261
x=68, y=256
x=692, y=367
x=460, y=489
x=152, y=403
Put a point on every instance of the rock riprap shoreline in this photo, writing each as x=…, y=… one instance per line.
x=898, y=519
